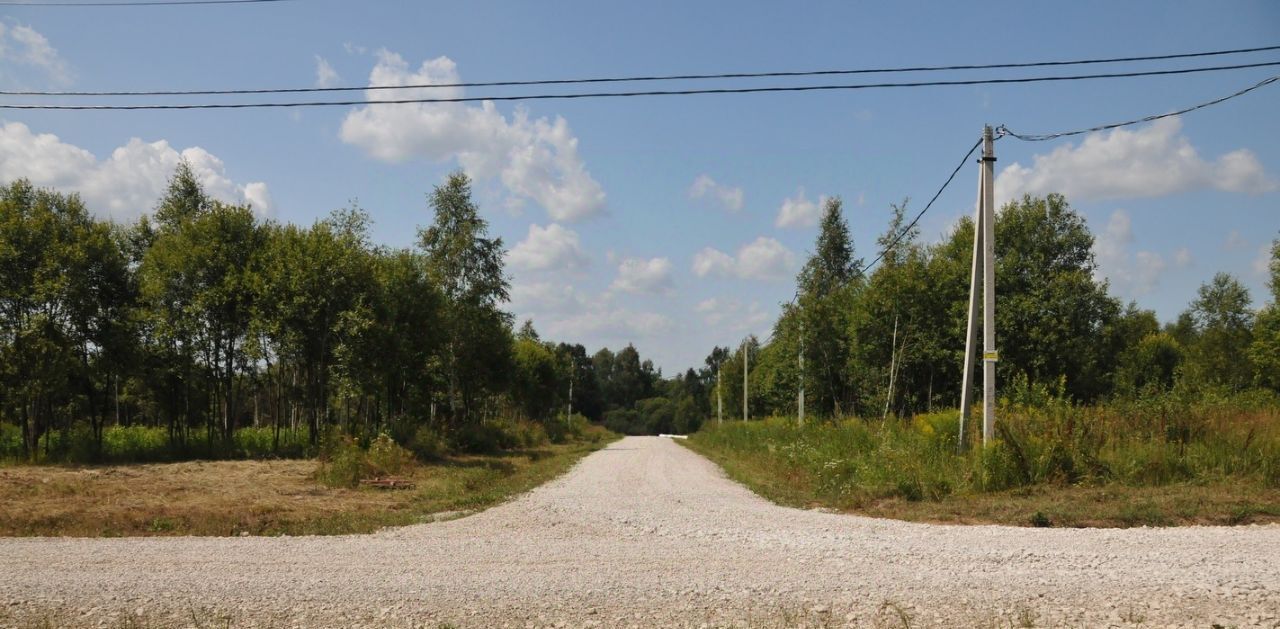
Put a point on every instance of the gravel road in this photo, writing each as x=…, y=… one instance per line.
x=647, y=533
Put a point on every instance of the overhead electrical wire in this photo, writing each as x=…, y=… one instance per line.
x=652, y=78
x=1002, y=131
x=1040, y=137
x=687, y=92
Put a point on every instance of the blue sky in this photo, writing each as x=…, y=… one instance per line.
x=673, y=223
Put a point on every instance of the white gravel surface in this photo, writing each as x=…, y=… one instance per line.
x=647, y=533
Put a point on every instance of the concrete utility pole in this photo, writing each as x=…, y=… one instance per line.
x=971, y=336
x=984, y=242
x=746, y=368
x=719, y=400
x=989, y=356
x=800, y=400
x=569, y=415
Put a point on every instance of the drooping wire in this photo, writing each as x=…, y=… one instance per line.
x=633, y=79
x=1040, y=137
x=582, y=95
x=928, y=205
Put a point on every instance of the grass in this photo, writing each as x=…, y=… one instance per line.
x=273, y=497
x=1153, y=463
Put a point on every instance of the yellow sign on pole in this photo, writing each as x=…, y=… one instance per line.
x=991, y=356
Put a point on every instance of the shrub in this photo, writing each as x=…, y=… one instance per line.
x=427, y=444
x=343, y=463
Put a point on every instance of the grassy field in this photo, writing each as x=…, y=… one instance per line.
x=260, y=497
x=1213, y=462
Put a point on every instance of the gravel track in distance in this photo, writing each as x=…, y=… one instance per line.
x=648, y=533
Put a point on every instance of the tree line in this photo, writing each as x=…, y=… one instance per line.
x=202, y=318
x=892, y=341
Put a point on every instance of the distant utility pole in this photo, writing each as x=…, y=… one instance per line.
x=984, y=236
x=800, y=400
x=745, y=370
x=719, y=401
x=569, y=416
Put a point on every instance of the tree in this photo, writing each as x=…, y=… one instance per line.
x=828, y=283
x=468, y=268
x=1223, y=323
x=198, y=281
x=1265, y=349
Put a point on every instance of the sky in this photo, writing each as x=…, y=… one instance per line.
x=674, y=223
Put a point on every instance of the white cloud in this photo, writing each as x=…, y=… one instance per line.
x=124, y=185
x=1132, y=275
x=730, y=316
x=561, y=312
x=727, y=197
x=1182, y=258
x=549, y=248
x=798, y=211
x=1235, y=242
x=641, y=276
x=762, y=259
x=534, y=159
x=326, y=76
x=24, y=47
x=1152, y=161
x=1262, y=263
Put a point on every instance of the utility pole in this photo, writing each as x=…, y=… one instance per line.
x=971, y=335
x=719, y=400
x=893, y=354
x=568, y=418
x=983, y=243
x=746, y=368
x=800, y=400
x=989, y=356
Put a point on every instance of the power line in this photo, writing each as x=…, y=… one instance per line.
x=901, y=234
x=928, y=205
x=629, y=79
x=1033, y=137
x=582, y=95
x=132, y=3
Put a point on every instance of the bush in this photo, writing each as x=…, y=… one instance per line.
x=427, y=444
x=343, y=463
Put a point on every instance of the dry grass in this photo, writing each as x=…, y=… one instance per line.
x=257, y=497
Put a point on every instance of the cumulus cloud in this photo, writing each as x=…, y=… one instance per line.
x=534, y=160
x=1151, y=161
x=641, y=276
x=762, y=259
x=549, y=248
x=326, y=76
x=732, y=316
x=727, y=197
x=1133, y=275
x=24, y=48
x=798, y=211
x=561, y=311
x=124, y=185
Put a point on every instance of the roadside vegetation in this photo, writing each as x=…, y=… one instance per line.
x=284, y=496
x=1106, y=417
x=1157, y=462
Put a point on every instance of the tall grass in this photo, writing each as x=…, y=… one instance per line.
x=147, y=444
x=1150, y=442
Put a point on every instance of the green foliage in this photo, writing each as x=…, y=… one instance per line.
x=344, y=463
x=1162, y=439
